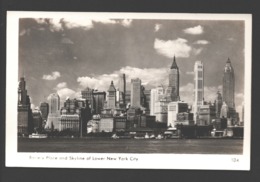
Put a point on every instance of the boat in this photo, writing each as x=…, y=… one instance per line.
x=38, y=135
x=146, y=136
x=114, y=136
x=159, y=137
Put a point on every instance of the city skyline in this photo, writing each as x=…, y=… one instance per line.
x=61, y=56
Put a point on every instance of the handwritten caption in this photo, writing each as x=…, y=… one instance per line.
x=83, y=158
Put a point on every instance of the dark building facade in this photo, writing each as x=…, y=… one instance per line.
x=25, y=120
x=99, y=99
x=44, y=108
x=37, y=120
x=122, y=91
x=87, y=94
x=173, y=88
x=218, y=104
x=229, y=85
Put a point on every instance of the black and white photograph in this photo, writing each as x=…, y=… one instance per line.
x=128, y=90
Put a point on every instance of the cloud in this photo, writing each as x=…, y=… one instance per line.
x=194, y=30
x=169, y=48
x=202, y=42
x=53, y=76
x=147, y=76
x=157, y=27
x=197, y=51
x=61, y=85
x=58, y=24
x=126, y=22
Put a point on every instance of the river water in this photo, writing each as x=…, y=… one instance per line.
x=106, y=145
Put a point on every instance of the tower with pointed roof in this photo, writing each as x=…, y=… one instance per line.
x=173, y=88
x=229, y=85
x=111, y=97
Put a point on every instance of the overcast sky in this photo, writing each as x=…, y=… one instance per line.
x=67, y=55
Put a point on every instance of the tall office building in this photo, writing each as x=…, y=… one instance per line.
x=156, y=95
x=136, y=92
x=87, y=94
x=25, y=120
x=44, y=108
x=174, y=79
x=37, y=120
x=53, y=121
x=218, y=104
x=198, y=88
x=98, y=100
x=111, y=98
x=229, y=85
x=122, y=91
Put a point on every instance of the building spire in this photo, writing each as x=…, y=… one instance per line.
x=228, y=61
x=174, y=65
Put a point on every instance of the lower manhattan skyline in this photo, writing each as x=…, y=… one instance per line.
x=66, y=55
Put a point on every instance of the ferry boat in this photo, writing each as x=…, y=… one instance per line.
x=38, y=135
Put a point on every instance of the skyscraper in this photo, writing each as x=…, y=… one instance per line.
x=198, y=88
x=122, y=90
x=156, y=95
x=25, y=125
x=229, y=85
x=98, y=100
x=111, y=98
x=218, y=104
x=87, y=94
x=173, y=88
x=136, y=92
x=53, y=121
x=44, y=108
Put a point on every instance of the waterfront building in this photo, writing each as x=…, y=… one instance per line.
x=53, y=121
x=207, y=114
x=44, y=108
x=173, y=88
x=37, y=120
x=229, y=85
x=70, y=122
x=185, y=118
x=198, y=88
x=160, y=110
x=120, y=123
x=173, y=109
x=106, y=124
x=122, y=91
x=218, y=104
x=111, y=98
x=74, y=115
x=25, y=120
x=136, y=92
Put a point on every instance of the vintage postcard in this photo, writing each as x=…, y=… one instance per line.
x=128, y=90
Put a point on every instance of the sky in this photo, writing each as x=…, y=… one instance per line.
x=69, y=54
